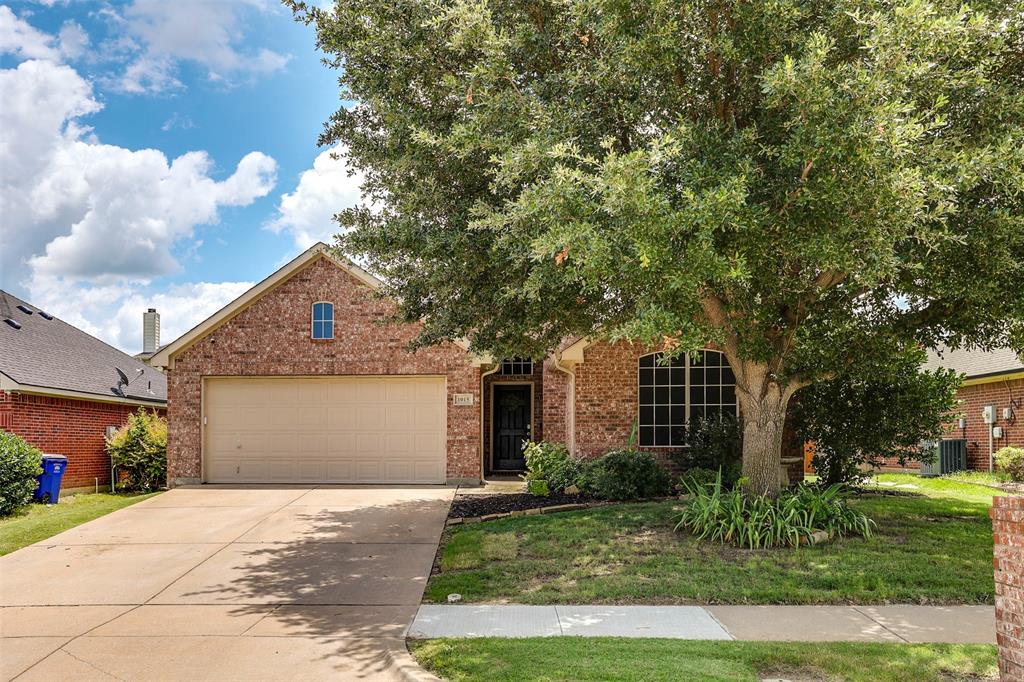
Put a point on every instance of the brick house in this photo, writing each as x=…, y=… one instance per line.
x=60, y=391
x=305, y=379
x=991, y=379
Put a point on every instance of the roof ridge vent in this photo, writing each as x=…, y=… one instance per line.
x=13, y=323
x=25, y=309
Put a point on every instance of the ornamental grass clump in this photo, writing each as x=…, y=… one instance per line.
x=762, y=522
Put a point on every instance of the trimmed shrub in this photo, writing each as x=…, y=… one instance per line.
x=139, y=451
x=871, y=412
x=1011, y=460
x=697, y=476
x=538, y=487
x=20, y=463
x=761, y=522
x=714, y=444
x=626, y=475
x=551, y=462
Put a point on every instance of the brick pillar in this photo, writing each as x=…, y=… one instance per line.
x=1008, y=560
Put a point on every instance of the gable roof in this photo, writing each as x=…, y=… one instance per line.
x=164, y=356
x=49, y=356
x=976, y=364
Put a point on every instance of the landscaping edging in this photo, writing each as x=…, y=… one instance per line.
x=529, y=512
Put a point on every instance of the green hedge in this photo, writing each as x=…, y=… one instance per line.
x=20, y=463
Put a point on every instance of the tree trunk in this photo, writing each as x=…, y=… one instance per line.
x=763, y=406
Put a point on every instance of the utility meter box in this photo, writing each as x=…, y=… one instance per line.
x=988, y=414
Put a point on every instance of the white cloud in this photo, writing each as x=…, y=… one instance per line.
x=38, y=122
x=89, y=210
x=114, y=312
x=73, y=40
x=324, y=190
x=17, y=37
x=139, y=207
x=180, y=121
x=88, y=226
x=198, y=31
x=148, y=73
x=21, y=39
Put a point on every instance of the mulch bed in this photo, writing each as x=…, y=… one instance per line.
x=473, y=505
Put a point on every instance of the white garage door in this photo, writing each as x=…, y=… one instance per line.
x=325, y=430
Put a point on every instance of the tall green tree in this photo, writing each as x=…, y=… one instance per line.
x=804, y=184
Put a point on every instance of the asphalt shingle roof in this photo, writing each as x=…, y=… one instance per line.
x=975, y=363
x=54, y=354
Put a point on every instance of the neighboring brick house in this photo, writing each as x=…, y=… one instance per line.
x=305, y=378
x=59, y=389
x=991, y=379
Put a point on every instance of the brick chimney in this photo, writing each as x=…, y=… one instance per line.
x=150, y=331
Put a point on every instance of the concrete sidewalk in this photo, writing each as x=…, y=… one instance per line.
x=899, y=623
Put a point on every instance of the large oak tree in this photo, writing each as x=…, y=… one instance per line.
x=806, y=184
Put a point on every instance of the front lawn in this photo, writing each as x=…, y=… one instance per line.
x=39, y=521
x=612, y=659
x=926, y=550
x=949, y=487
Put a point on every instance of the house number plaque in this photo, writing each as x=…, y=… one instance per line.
x=462, y=399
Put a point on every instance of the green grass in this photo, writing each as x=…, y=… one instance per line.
x=39, y=521
x=612, y=659
x=931, y=549
x=945, y=487
x=979, y=477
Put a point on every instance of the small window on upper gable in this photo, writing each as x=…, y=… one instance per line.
x=323, y=320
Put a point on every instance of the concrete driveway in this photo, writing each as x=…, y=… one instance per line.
x=225, y=583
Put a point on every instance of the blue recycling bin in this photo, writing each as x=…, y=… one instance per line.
x=49, y=480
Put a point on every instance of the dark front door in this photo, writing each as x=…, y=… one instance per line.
x=511, y=426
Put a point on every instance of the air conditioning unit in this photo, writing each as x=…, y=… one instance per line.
x=949, y=455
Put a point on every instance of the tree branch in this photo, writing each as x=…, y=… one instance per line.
x=792, y=196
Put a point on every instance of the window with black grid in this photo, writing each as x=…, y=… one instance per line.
x=517, y=366
x=674, y=390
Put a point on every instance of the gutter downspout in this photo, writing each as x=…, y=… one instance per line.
x=570, y=420
x=497, y=366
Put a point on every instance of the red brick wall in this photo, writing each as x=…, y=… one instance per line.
x=606, y=398
x=973, y=399
x=271, y=338
x=1008, y=561
x=555, y=403
x=62, y=426
x=606, y=404
x=536, y=425
x=1001, y=394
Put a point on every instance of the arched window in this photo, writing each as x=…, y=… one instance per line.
x=323, y=320
x=674, y=390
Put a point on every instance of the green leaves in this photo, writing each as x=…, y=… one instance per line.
x=740, y=148
x=139, y=451
x=20, y=463
x=762, y=522
x=884, y=406
x=813, y=186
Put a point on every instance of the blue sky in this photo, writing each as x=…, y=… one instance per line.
x=158, y=154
